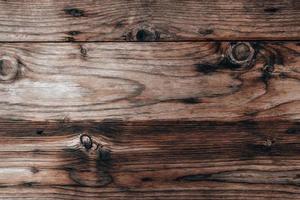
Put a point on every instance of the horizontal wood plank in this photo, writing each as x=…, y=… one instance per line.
x=156, y=81
x=149, y=20
x=150, y=160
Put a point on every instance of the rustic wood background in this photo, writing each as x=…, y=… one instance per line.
x=148, y=99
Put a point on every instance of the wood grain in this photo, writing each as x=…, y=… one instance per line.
x=150, y=160
x=201, y=108
x=156, y=81
x=149, y=20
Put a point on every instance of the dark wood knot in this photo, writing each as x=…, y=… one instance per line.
x=268, y=143
x=9, y=68
x=241, y=53
x=86, y=141
x=145, y=35
x=142, y=33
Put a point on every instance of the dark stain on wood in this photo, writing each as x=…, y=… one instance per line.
x=104, y=155
x=271, y=10
x=267, y=73
x=29, y=184
x=208, y=68
x=70, y=39
x=147, y=179
x=191, y=100
x=205, y=32
x=74, y=33
x=89, y=170
x=40, y=132
x=103, y=166
x=249, y=125
x=295, y=129
x=34, y=170
x=269, y=148
x=192, y=178
x=120, y=24
x=74, y=12
x=270, y=54
x=234, y=56
x=110, y=127
x=283, y=75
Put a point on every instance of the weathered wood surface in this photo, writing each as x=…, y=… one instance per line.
x=86, y=116
x=154, y=81
x=171, y=20
x=150, y=160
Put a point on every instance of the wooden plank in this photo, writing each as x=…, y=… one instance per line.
x=144, y=20
x=150, y=160
x=156, y=81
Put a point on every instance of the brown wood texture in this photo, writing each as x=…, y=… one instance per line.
x=149, y=20
x=188, y=120
x=149, y=81
x=148, y=99
x=150, y=160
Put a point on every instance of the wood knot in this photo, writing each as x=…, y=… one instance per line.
x=268, y=143
x=268, y=68
x=86, y=141
x=241, y=53
x=143, y=33
x=9, y=68
x=83, y=51
x=146, y=35
x=267, y=71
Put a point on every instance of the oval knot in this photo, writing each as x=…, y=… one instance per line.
x=9, y=68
